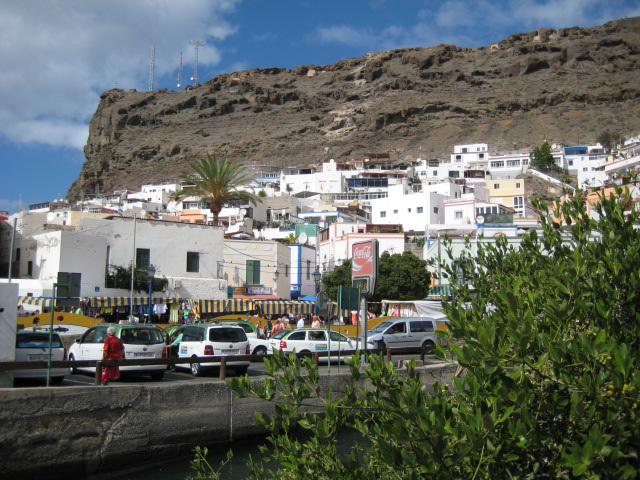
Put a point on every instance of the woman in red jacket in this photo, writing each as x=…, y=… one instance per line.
x=113, y=348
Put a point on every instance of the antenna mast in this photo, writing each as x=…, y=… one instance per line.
x=180, y=72
x=196, y=43
x=152, y=67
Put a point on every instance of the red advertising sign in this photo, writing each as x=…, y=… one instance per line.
x=364, y=266
x=4, y=215
x=362, y=259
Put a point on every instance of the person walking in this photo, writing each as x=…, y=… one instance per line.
x=113, y=349
x=300, y=322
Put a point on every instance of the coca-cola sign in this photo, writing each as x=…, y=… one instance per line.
x=362, y=259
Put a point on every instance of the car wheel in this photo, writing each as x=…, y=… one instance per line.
x=428, y=347
x=196, y=370
x=260, y=350
x=157, y=375
x=72, y=370
x=57, y=380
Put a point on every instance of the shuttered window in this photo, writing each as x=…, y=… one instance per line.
x=253, y=272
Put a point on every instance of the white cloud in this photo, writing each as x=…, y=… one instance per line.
x=58, y=56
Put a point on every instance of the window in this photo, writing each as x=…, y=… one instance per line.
x=317, y=336
x=29, y=268
x=395, y=212
x=435, y=173
x=496, y=186
x=517, y=185
x=286, y=271
x=419, y=210
x=458, y=214
x=409, y=210
x=297, y=335
x=494, y=210
x=106, y=267
x=571, y=163
x=383, y=214
x=193, y=262
x=421, y=326
x=143, y=258
x=481, y=155
x=458, y=157
x=17, y=254
x=585, y=169
x=464, y=150
x=435, y=210
x=308, y=269
x=253, y=272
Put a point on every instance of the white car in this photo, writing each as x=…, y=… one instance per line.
x=311, y=340
x=33, y=346
x=140, y=341
x=211, y=339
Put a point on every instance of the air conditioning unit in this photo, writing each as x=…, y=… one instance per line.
x=177, y=284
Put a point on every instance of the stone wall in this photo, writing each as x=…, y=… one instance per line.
x=72, y=432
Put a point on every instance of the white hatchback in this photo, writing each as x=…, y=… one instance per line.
x=311, y=340
x=210, y=339
x=32, y=346
x=140, y=341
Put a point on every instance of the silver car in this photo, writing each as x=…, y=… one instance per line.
x=408, y=332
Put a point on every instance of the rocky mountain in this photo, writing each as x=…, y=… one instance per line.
x=565, y=86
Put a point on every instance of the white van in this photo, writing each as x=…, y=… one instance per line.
x=34, y=346
x=216, y=340
x=407, y=332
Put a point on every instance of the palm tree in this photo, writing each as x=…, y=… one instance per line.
x=217, y=181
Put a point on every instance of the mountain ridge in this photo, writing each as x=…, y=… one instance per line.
x=564, y=86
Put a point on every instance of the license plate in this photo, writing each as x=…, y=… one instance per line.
x=143, y=355
x=39, y=358
x=229, y=352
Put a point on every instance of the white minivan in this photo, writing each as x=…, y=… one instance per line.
x=408, y=332
x=33, y=346
x=211, y=339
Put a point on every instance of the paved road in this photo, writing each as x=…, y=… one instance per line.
x=256, y=369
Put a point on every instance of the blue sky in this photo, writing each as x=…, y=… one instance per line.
x=57, y=57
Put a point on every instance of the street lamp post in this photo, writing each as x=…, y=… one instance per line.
x=151, y=271
x=317, y=279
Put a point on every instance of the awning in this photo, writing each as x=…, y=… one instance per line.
x=126, y=301
x=280, y=307
x=225, y=306
x=38, y=301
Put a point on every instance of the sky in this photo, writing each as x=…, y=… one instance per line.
x=57, y=56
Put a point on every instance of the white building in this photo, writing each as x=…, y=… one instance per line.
x=303, y=264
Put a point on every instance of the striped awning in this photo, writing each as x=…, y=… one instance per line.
x=280, y=307
x=126, y=301
x=37, y=301
x=225, y=306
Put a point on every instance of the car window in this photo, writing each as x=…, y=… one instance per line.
x=297, y=335
x=247, y=328
x=227, y=334
x=101, y=334
x=89, y=336
x=400, y=327
x=29, y=340
x=338, y=337
x=141, y=336
x=281, y=334
x=381, y=327
x=193, y=334
x=317, y=336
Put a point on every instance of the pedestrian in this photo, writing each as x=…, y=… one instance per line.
x=36, y=324
x=113, y=349
x=300, y=322
x=277, y=327
x=316, y=322
x=174, y=346
x=259, y=329
x=269, y=328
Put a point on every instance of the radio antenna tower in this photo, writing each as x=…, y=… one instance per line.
x=152, y=67
x=196, y=43
x=180, y=72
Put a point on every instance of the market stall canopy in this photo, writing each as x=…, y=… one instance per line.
x=126, y=301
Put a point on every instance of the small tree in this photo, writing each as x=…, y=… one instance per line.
x=610, y=140
x=120, y=277
x=542, y=159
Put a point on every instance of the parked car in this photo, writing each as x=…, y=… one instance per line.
x=274, y=340
x=311, y=340
x=214, y=339
x=259, y=346
x=408, y=332
x=140, y=341
x=32, y=346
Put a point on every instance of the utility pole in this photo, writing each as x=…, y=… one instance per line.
x=196, y=43
x=152, y=67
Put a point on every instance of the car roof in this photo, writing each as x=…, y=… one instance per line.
x=127, y=325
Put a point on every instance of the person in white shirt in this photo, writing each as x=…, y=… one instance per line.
x=300, y=323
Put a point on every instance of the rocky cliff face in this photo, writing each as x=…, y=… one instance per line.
x=563, y=86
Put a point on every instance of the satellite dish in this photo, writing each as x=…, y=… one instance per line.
x=479, y=219
x=302, y=238
x=243, y=212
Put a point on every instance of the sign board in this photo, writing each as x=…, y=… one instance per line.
x=68, y=284
x=259, y=290
x=349, y=298
x=4, y=215
x=364, y=266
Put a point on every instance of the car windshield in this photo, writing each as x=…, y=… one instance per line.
x=34, y=340
x=227, y=334
x=381, y=328
x=280, y=334
x=141, y=336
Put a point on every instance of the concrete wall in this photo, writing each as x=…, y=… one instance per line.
x=72, y=432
